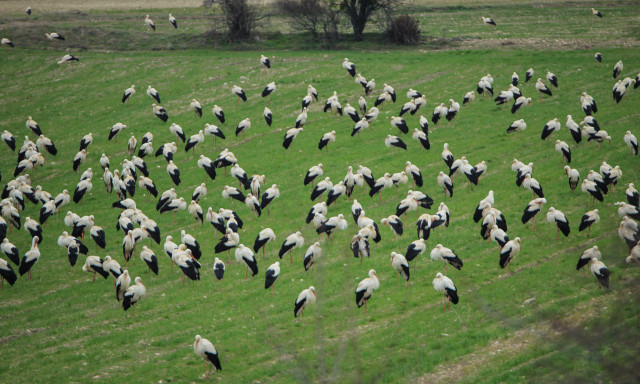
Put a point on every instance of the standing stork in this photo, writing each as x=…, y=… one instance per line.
x=218, y=268
x=265, y=236
x=203, y=348
x=9, y=139
x=230, y=240
x=236, y=90
x=633, y=197
x=550, y=127
x=365, y=289
x=587, y=220
x=553, y=79
x=573, y=175
x=33, y=126
x=305, y=298
x=173, y=21
x=153, y=93
x=542, y=88
x=447, y=256
x=520, y=102
x=445, y=182
x=133, y=294
x=193, y=141
x=311, y=255
x=617, y=69
x=268, y=90
x=196, y=107
x=93, y=264
x=10, y=251
x=271, y=276
x=246, y=255
x=444, y=285
x=302, y=118
x=561, y=221
x=290, y=136
x=592, y=188
x=415, y=249
x=219, y=113
x=329, y=137
x=631, y=140
x=532, y=210
x=313, y=172
x=401, y=265
x=6, y=273
x=174, y=172
x=349, y=66
x=265, y=61
x=149, y=22
x=510, y=250
x=268, y=196
x=574, y=129
x=128, y=93
x=600, y=271
x=292, y=241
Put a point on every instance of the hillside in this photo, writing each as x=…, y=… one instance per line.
x=529, y=325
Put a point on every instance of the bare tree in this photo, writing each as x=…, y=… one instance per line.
x=360, y=11
x=307, y=14
x=241, y=18
x=321, y=18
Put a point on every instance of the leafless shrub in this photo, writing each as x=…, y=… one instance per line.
x=321, y=18
x=240, y=18
x=306, y=14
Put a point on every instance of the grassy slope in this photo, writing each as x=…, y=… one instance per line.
x=255, y=333
x=405, y=334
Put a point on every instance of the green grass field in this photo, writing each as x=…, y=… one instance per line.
x=60, y=327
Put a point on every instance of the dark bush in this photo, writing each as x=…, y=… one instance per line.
x=404, y=29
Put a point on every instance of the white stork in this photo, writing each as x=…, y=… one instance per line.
x=271, y=276
x=444, y=285
x=290, y=136
x=305, y=298
x=488, y=21
x=510, y=250
x=153, y=93
x=149, y=22
x=236, y=90
x=265, y=236
x=133, y=294
x=532, y=210
x=399, y=262
x=292, y=241
x=365, y=289
x=128, y=93
x=311, y=255
x=203, y=348
x=246, y=255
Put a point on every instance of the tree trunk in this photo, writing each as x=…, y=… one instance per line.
x=358, y=27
